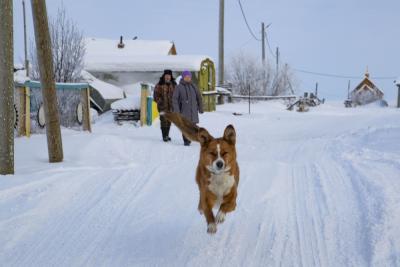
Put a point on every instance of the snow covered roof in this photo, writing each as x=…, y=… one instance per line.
x=123, y=63
x=98, y=47
x=108, y=91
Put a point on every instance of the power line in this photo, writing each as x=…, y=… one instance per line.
x=245, y=20
x=342, y=76
x=269, y=46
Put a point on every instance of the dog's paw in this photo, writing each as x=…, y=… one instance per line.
x=212, y=228
x=220, y=217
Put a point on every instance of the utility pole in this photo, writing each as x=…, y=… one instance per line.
x=316, y=89
x=263, y=43
x=277, y=60
x=6, y=88
x=45, y=60
x=221, y=43
x=348, y=90
x=25, y=41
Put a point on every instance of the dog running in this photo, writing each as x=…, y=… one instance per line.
x=217, y=173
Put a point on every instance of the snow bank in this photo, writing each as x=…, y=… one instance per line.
x=128, y=103
x=108, y=91
x=316, y=189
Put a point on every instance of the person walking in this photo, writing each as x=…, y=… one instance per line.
x=163, y=93
x=187, y=100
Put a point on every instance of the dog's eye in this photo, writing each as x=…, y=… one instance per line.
x=224, y=154
x=213, y=154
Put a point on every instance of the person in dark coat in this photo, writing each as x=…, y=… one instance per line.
x=163, y=93
x=187, y=100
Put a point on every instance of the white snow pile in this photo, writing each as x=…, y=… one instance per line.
x=20, y=77
x=375, y=104
x=108, y=91
x=398, y=81
x=94, y=115
x=133, y=97
x=316, y=189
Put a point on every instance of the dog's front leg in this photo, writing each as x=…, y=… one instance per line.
x=208, y=213
x=228, y=205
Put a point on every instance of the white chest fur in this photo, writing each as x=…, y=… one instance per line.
x=220, y=185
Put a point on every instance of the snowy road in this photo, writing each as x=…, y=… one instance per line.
x=316, y=189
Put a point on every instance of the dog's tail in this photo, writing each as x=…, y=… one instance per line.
x=188, y=128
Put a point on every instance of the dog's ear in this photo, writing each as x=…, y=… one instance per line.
x=204, y=137
x=230, y=134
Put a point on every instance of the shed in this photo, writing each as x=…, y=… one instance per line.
x=73, y=104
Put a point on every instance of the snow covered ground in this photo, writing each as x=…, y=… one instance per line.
x=317, y=189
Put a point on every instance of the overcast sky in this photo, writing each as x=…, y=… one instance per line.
x=329, y=36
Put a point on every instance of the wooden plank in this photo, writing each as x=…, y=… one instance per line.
x=72, y=86
x=85, y=100
x=21, y=111
x=143, y=104
x=27, y=112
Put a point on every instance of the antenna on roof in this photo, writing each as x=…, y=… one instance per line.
x=121, y=43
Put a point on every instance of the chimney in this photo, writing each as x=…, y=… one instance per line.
x=121, y=43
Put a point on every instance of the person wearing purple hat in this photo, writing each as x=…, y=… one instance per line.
x=187, y=100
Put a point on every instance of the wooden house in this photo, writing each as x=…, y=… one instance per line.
x=144, y=61
x=365, y=92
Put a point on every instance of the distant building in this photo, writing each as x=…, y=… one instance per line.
x=124, y=63
x=366, y=92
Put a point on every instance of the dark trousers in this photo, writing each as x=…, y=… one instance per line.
x=164, y=122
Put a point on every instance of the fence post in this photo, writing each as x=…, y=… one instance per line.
x=149, y=110
x=398, y=96
x=143, y=104
x=85, y=100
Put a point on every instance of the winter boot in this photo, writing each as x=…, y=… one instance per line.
x=167, y=132
x=164, y=134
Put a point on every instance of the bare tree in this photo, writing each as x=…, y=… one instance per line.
x=245, y=71
x=6, y=88
x=68, y=48
x=45, y=62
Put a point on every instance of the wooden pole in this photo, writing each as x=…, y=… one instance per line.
x=6, y=88
x=221, y=44
x=249, y=98
x=398, y=96
x=85, y=100
x=45, y=60
x=25, y=40
x=263, y=43
x=143, y=104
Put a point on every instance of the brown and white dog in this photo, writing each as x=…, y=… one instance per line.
x=217, y=172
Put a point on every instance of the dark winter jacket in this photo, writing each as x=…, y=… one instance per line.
x=163, y=96
x=187, y=101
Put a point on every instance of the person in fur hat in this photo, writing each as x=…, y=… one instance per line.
x=163, y=93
